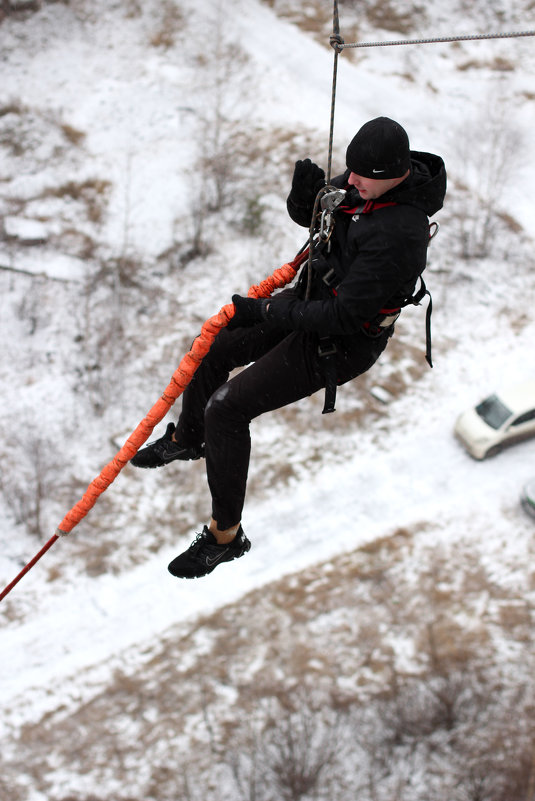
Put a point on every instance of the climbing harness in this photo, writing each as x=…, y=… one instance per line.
x=385, y=319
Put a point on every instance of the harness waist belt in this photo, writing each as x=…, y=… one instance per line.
x=385, y=319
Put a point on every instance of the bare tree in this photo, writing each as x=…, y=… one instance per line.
x=226, y=88
x=31, y=473
x=487, y=148
x=291, y=752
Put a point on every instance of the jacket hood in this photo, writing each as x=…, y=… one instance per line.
x=424, y=188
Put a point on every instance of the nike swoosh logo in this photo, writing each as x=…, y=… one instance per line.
x=376, y=171
x=168, y=456
x=213, y=560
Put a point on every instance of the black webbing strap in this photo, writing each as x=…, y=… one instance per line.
x=327, y=354
x=415, y=300
x=428, y=329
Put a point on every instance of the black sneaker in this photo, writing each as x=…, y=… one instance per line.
x=205, y=553
x=165, y=450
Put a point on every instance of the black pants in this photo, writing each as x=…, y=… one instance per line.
x=283, y=368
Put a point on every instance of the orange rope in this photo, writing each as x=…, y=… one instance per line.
x=179, y=381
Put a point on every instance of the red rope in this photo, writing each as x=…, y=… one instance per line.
x=23, y=572
x=179, y=381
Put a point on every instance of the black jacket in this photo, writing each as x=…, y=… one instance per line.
x=377, y=257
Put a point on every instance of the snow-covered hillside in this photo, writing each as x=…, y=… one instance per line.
x=146, y=151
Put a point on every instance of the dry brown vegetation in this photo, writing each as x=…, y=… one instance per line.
x=169, y=26
x=400, y=652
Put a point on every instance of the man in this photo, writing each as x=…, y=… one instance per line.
x=328, y=329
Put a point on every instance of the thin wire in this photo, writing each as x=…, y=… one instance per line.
x=438, y=39
x=337, y=43
x=331, y=130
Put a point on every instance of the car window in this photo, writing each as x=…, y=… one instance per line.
x=524, y=418
x=493, y=411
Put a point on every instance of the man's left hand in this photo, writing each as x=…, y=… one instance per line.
x=249, y=311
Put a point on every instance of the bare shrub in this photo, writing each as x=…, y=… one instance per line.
x=31, y=473
x=299, y=749
x=189, y=240
x=315, y=18
x=75, y=242
x=133, y=9
x=424, y=706
x=498, y=64
x=487, y=147
x=13, y=107
x=226, y=87
x=388, y=16
x=252, y=222
x=18, y=7
x=292, y=750
x=92, y=193
x=72, y=134
x=494, y=759
x=101, y=340
x=170, y=24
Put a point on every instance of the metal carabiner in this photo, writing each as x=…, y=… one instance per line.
x=329, y=202
x=326, y=225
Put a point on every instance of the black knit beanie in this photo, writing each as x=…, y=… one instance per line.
x=379, y=150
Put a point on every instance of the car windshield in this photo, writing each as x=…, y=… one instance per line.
x=493, y=411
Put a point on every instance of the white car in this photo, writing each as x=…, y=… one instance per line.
x=498, y=421
x=527, y=498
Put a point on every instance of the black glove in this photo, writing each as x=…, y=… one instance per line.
x=307, y=181
x=249, y=311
